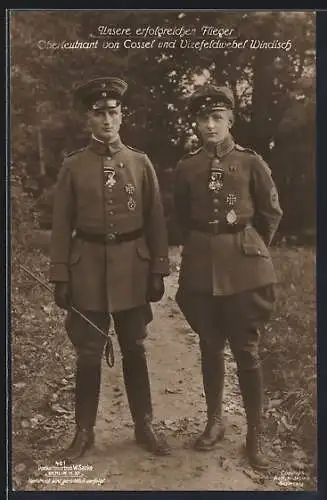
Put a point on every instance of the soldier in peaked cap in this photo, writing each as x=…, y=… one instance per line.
x=109, y=254
x=227, y=208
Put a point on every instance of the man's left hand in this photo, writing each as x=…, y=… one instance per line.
x=156, y=288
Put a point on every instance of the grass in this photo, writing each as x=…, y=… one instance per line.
x=41, y=371
x=43, y=357
x=289, y=347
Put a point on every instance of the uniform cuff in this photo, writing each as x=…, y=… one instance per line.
x=160, y=265
x=59, y=272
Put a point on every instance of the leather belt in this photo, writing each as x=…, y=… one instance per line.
x=110, y=238
x=216, y=227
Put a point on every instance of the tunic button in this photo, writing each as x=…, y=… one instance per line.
x=108, y=157
x=109, y=202
x=111, y=212
x=216, y=210
x=111, y=225
x=259, y=252
x=216, y=201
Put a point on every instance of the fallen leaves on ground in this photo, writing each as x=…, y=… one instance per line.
x=43, y=373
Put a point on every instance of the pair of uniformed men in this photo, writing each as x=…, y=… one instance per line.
x=109, y=257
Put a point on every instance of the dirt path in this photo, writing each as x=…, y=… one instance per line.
x=117, y=463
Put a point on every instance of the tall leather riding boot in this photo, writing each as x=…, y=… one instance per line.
x=137, y=385
x=87, y=390
x=213, y=372
x=252, y=393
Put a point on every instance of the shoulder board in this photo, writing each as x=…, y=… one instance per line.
x=72, y=153
x=191, y=153
x=136, y=150
x=247, y=150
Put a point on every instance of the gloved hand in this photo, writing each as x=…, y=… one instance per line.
x=62, y=295
x=156, y=288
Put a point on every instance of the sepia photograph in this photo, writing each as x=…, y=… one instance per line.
x=163, y=250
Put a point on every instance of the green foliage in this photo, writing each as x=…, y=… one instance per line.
x=275, y=93
x=22, y=221
x=289, y=344
x=43, y=364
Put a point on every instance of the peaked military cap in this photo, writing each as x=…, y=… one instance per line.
x=100, y=93
x=209, y=98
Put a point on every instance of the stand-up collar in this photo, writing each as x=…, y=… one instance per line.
x=105, y=149
x=221, y=148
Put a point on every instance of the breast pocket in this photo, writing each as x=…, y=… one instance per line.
x=252, y=244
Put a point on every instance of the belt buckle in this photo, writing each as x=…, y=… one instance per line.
x=214, y=226
x=111, y=237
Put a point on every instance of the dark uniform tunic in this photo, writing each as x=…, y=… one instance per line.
x=109, y=244
x=227, y=207
x=108, y=277
x=106, y=192
x=226, y=270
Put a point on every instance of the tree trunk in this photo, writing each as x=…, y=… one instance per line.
x=261, y=97
x=41, y=151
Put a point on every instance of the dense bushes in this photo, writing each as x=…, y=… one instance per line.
x=289, y=348
x=274, y=90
